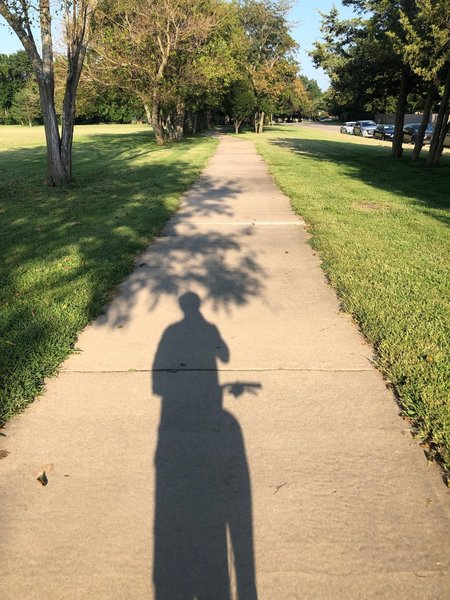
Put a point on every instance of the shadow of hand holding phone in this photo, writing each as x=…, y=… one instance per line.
x=203, y=533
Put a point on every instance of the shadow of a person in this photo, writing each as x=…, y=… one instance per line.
x=203, y=493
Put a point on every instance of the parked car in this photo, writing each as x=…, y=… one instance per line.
x=347, y=127
x=364, y=128
x=447, y=140
x=410, y=133
x=384, y=132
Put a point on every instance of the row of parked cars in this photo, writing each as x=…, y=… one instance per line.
x=385, y=132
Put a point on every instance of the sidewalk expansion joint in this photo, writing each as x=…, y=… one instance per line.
x=250, y=370
x=237, y=223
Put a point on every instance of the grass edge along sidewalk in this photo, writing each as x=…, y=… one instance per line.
x=381, y=228
x=64, y=250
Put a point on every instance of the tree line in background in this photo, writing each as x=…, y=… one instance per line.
x=173, y=63
x=394, y=56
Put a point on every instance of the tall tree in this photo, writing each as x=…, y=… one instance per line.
x=22, y=15
x=315, y=101
x=362, y=71
x=385, y=20
x=240, y=102
x=167, y=52
x=269, y=60
x=427, y=52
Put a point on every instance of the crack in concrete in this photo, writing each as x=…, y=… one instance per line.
x=250, y=370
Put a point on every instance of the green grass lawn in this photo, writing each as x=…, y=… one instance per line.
x=382, y=229
x=63, y=251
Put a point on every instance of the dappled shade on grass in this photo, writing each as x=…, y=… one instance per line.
x=64, y=250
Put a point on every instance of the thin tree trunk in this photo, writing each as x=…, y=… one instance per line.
x=156, y=121
x=68, y=122
x=75, y=58
x=148, y=114
x=397, y=145
x=179, y=119
x=56, y=174
x=440, y=128
x=77, y=20
x=444, y=131
x=237, y=124
x=261, y=122
x=425, y=120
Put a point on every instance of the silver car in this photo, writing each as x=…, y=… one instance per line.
x=447, y=140
x=347, y=127
x=364, y=128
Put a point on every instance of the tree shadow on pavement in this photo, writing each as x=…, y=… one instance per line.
x=203, y=506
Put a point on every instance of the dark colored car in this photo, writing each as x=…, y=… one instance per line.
x=384, y=132
x=364, y=128
x=410, y=133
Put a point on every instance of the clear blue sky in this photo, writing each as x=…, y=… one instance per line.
x=306, y=18
x=304, y=14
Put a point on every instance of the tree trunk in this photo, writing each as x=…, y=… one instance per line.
x=440, y=128
x=190, y=126
x=194, y=122
x=237, y=124
x=156, y=121
x=202, y=121
x=425, y=120
x=261, y=122
x=148, y=114
x=179, y=119
x=56, y=173
x=68, y=123
x=445, y=129
x=75, y=60
x=397, y=145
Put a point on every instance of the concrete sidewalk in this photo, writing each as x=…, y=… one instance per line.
x=222, y=433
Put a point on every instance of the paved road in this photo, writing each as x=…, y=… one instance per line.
x=222, y=432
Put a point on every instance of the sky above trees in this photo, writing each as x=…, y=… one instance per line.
x=306, y=29
x=305, y=15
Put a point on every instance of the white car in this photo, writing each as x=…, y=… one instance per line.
x=347, y=127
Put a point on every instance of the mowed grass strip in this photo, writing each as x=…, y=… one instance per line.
x=63, y=251
x=381, y=227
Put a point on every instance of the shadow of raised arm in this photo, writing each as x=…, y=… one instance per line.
x=237, y=388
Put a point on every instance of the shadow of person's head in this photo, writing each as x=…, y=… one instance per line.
x=190, y=304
